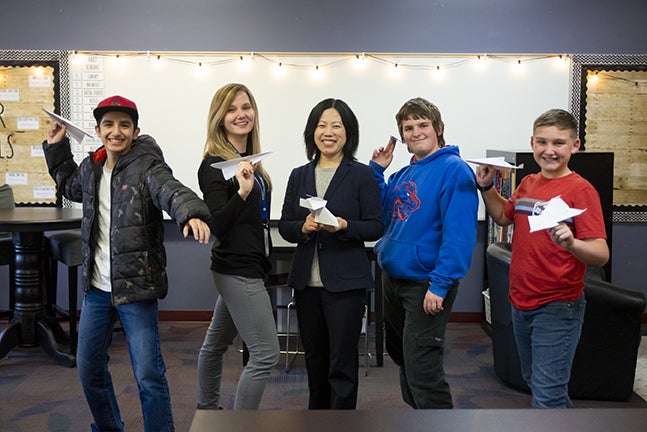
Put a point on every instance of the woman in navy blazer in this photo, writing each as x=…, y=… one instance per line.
x=330, y=271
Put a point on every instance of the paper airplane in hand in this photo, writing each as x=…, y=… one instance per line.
x=497, y=162
x=229, y=167
x=75, y=132
x=555, y=212
x=318, y=207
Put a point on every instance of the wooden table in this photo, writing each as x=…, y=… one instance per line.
x=481, y=420
x=30, y=326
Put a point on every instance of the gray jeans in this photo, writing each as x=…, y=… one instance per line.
x=244, y=308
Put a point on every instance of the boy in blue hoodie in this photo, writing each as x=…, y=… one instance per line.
x=430, y=215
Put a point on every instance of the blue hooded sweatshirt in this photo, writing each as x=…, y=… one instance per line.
x=430, y=217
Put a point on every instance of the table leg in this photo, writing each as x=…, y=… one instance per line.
x=9, y=338
x=49, y=333
x=379, y=317
x=30, y=326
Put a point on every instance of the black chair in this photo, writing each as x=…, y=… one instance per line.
x=6, y=250
x=605, y=361
x=504, y=347
x=64, y=247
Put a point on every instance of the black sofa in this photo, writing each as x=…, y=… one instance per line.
x=605, y=361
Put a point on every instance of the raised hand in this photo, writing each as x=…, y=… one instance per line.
x=383, y=156
x=55, y=133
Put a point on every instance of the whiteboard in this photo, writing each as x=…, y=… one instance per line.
x=488, y=106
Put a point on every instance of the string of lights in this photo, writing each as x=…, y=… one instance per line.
x=320, y=61
x=596, y=76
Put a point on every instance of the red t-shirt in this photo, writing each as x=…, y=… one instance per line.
x=541, y=271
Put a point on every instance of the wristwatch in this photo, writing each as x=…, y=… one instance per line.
x=486, y=188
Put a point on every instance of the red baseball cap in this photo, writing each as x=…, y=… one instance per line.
x=116, y=103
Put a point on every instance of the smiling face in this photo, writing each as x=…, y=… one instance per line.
x=420, y=136
x=117, y=133
x=330, y=136
x=239, y=119
x=552, y=149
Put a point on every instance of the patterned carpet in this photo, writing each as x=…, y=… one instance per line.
x=640, y=382
x=37, y=395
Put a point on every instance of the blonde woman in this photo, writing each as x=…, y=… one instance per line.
x=240, y=256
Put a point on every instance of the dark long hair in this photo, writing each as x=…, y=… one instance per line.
x=348, y=119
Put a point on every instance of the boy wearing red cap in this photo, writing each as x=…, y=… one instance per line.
x=124, y=187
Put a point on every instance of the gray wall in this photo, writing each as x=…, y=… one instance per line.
x=191, y=287
x=378, y=26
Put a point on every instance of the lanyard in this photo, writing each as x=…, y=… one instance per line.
x=265, y=214
x=260, y=181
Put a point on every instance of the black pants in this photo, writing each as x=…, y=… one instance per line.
x=416, y=341
x=330, y=326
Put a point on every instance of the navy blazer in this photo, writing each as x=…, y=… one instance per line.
x=353, y=194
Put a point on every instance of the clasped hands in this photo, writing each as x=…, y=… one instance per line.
x=310, y=225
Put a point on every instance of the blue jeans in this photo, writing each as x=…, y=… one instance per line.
x=98, y=317
x=547, y=338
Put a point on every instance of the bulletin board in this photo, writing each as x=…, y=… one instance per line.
x=612, y=101
x=29, y=82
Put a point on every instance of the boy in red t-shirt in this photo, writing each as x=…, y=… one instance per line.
x=548, y=266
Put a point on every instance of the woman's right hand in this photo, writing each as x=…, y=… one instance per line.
x=310, y=225
x=245, y=177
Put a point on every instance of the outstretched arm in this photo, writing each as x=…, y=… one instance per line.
x=494, y=203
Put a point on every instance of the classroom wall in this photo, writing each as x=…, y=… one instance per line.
x=406, y=26
x=403, y=26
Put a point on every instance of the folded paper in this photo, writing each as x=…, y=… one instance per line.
x=496, y=162
x=556, y=211
x=318, y=206
x=229, y=167
x=75, y=132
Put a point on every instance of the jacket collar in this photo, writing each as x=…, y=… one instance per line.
x=342, y=170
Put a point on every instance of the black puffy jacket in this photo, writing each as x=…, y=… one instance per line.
x=142, y=187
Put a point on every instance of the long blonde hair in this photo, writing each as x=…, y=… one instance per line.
x=217, y=144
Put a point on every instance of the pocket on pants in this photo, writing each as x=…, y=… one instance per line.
x=429, y=341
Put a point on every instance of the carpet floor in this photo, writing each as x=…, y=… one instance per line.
x=38, y=395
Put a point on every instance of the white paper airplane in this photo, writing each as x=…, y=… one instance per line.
x=318, y=207
x=76, y=132
x=555, y=211
x=229, y=167
x=497, y=162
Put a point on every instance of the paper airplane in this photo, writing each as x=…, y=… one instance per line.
x=318, y=207
x=76, y=132
x=497, y=162
x=555, y=212
x=229, y=167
